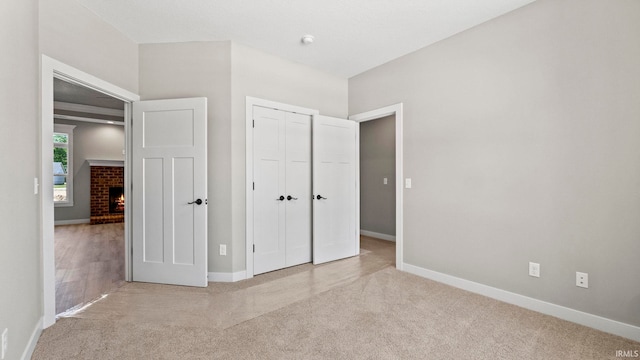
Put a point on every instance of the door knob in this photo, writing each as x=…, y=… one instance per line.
x=197, y=202
x=289, y=197
x=281, y=198
x=319, y=197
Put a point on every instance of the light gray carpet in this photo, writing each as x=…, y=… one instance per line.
x=383, y=314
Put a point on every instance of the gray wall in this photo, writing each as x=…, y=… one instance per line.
x=199, y=69
x=378, y=161
x=71, y=33
x=90, y=141
x=226, y=73
x=269, y=77
x=21, y=293
x=522, y=139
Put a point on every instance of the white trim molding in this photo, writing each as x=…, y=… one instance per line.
x=112, y=163
x=579, y=317
x=51, y=69
x=33, y=340
x=378, y=235
x=226, y=277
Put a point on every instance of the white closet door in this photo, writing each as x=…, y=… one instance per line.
x=269, y=203
x=298, y=189
x=334, y=187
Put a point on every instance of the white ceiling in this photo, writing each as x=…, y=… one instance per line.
x=351, y=36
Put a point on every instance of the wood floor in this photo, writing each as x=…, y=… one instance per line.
x=89, y=262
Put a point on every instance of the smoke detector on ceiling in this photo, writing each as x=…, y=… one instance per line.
x=307, y=39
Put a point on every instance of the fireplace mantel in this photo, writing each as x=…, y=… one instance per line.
x=113, y=163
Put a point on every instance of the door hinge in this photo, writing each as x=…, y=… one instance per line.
x=254, y=186
x=254, y=247
x=254, y=123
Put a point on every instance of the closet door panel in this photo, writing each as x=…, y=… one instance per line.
x=298, y=188
x=269, y=179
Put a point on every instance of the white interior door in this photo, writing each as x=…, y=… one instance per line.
x=334, y=189
x=268, y=190
x=169, y=176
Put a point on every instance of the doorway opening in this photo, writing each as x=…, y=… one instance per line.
x=377, y=180
x=88, y=199
x=54, y=71
x=389, y=113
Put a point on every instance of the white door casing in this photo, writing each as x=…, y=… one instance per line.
x=281, y=189
x=335, y=228
x=169, y=162
x=51, y=69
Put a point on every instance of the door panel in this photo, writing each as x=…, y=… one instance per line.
x=298, y=186
x=152, y=210
x=269, y=177
x=169, y=171
x=184, y=193
x=334, y=179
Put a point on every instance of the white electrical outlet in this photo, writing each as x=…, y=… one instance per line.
x=385, y=181
x=534, y=269
x=223, y=249
x=5, y=342
x=582, y=280
x=407, y=183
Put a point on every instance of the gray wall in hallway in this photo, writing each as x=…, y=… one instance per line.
x=378, y=161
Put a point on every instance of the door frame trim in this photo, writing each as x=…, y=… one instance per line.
x=250, y=103
x=396, y=110
x=50, y=69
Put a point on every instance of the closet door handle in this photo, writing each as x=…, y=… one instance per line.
x=197, y=202
x=319, y=197
x=289, y=197
x=281, y=198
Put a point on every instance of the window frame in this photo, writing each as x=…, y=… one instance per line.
x=67, y=130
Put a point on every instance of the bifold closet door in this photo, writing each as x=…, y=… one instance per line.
x=335, y=235
x=282, y=189
x=298, y=189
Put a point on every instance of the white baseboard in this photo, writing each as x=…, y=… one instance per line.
x=33, y=340
x=593, y=321
x=72, y=222
x=378, y=235
x=227, y=277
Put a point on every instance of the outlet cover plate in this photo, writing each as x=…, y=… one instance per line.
x=582, y=280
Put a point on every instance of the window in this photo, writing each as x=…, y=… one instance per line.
x=63, y=165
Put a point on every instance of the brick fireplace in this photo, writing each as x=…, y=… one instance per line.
x=107, y=191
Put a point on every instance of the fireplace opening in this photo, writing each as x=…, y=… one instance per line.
x=116, y=200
